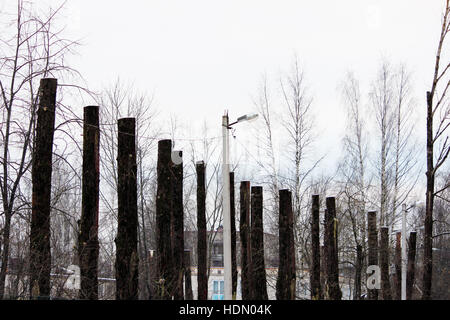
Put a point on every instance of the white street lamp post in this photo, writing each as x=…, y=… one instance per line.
x=226, y=201
x=226, y=210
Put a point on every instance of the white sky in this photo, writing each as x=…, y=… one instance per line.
x=201, y=57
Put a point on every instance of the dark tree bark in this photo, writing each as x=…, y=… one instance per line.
x=384, y=263
x=316, y=292
x=178, y=228
x=202, y=276
x=40, y=256
x=282, y=285
x=331, y=245
x=233, y=237
x=285, y=287
x=358, y=272
x=323, y=269
x=398, y=267
x=127, y=259
x=259, y=284
x=88, y=246
x=153, y=278
x=429, y=201
x=292, y=266
x=244, y=227
x=411, y=265
x=164, y=220
x=188, y=294
x=373, y=247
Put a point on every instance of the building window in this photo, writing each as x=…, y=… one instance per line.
x=218, y=290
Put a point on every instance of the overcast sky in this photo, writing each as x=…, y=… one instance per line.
x=201, y=57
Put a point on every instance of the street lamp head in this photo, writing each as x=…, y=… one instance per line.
x=248, y=117
x=415, y=204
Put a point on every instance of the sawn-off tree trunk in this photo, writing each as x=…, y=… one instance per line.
x=244, y=227
x=127, y=259
x=164, y=264
x=88, y=246
x=331, y=245
x=384, y=263
x=202, y=275
x=188, y=294
x=316, y=292
x=234, y=272
x=410, y=276
x=358, y=272
x=259, y=284
x=285, y=287
x=178, y=225
x=41, y=175
x=373, y=248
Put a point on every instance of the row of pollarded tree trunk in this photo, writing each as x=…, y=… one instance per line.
x=127, y=258
x=170, y=252
x=40, y=254
x=88, y=246
x=172, y=262
x=170, y=267
x=378, y=255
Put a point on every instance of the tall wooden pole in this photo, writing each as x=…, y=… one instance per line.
x=202, y=277
x=88, y=246
x=331, y=244
x=316, y=292
x=178, y=225
x=164, y=220
x=259, y=284
x=384, y=263
x=244, y=227
x=373, y=247
x=411, y=265
x=41, y=175
x=127, y=259
x=233, y=237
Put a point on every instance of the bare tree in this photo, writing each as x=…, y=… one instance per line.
x=382, y=97
x=264, y=107
x=299, y=126
x=438, y=112
x=33, y=48
x=298, y=123
x=392, y=104
x=353, y=170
